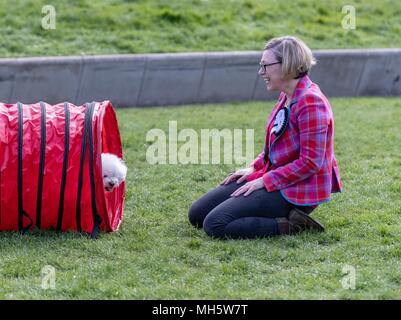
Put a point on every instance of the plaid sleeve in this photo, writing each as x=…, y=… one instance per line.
x=259, y=162
x=313, y=121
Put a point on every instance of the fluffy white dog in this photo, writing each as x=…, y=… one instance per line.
x=114, y=171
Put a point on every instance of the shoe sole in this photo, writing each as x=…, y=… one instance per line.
x=316, y=224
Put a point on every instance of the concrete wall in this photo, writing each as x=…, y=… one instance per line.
x=187, y=78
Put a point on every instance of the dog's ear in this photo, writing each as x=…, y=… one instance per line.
x=123, y=167
x=124, y=170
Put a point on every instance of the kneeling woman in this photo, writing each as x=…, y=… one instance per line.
x=297, y=169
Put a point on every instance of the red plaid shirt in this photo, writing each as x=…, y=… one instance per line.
x=301, y=162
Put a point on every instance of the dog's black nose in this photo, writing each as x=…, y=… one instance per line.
x=111, y=184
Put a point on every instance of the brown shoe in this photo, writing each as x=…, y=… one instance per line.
x=297, y=222
x=300, y=218
x=286, y=227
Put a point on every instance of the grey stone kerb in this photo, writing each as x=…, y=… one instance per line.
x=187, y=78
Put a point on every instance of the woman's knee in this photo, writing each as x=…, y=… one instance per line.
x=196, y=214
x=214, y=225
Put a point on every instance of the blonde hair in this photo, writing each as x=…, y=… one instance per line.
x=295, y=56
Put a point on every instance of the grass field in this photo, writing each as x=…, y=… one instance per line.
x=142, y=26
x=157, y=254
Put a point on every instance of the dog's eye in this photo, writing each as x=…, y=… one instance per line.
x=105, y=176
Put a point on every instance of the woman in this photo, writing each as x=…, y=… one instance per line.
x=297, y=169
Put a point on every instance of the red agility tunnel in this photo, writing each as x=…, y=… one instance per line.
x=51, y=170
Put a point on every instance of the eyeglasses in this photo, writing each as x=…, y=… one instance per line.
x=263, y=65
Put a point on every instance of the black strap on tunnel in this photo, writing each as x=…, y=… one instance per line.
x=65, y=164
x=41, y=163
x=21, y=212
x=87, y=139
x=81, y=170
x=96, y=218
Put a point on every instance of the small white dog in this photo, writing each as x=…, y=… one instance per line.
x=114, y=171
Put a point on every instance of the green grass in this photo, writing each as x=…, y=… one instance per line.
x=142, y=26
x=157, y=254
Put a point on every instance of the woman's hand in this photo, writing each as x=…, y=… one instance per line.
x=241, y=173
x=249, y=187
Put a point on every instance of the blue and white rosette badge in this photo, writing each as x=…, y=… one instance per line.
x=280, y=122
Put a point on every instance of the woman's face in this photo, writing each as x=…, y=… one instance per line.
x=273, y=75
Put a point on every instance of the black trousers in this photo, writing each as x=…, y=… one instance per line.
x=253, y=216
